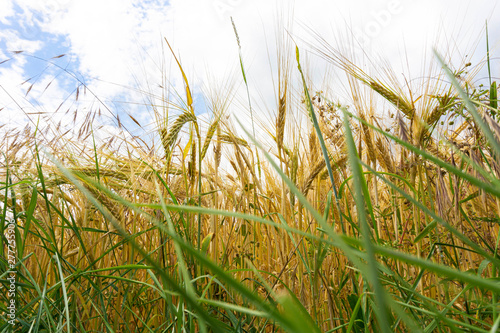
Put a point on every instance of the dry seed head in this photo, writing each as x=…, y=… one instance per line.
x=233, y=139
x=313, y=146
x=339, y=163
x=314, y=172
x=218, y=149
x=385, y=157
x=103, y=172
x=208, y=138
x=242, y=174
x=235, y=32
x=398, y=101
x=443, y=200
x=106, y=201
x=403, y=131
x=368, y=139
x=280, y=121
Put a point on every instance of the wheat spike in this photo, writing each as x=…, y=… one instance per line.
x=168, y=137
x=106, y=201
x=313, y=146
x=218, y=149
x=208, y=138
x=368, y=139
x=443, y=200
x=339, y=163
x=389, y=95
x=385, y=159
x=312, y=175
x=232, y=139
x=280, y=121
x=403, y=131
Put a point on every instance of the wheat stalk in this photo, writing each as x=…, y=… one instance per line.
x=293, y=172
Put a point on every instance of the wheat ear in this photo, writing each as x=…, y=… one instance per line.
x=392, y=97
x=168, y=137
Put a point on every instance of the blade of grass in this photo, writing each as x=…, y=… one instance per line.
x=314, y=120
x=65, y=294
x=373, y=274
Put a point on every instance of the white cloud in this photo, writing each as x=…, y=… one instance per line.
x=14, y=42
x=11, y=97
x=7, y=10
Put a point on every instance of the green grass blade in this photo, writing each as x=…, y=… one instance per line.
x=314, y=120
x=65, y=294
x=360, y=198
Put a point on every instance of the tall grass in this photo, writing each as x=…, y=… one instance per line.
x=346, y=226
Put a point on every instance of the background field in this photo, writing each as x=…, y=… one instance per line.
x=375, y=213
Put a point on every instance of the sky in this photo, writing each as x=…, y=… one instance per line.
x=113, y=53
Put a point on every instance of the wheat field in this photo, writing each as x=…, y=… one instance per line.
x=336, y=219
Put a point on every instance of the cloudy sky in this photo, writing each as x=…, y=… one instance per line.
x=116, y=48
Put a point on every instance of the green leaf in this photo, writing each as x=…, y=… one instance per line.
x=296, y=314
x=426, y=231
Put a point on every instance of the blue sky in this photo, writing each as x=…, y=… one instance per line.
x=116, y=47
